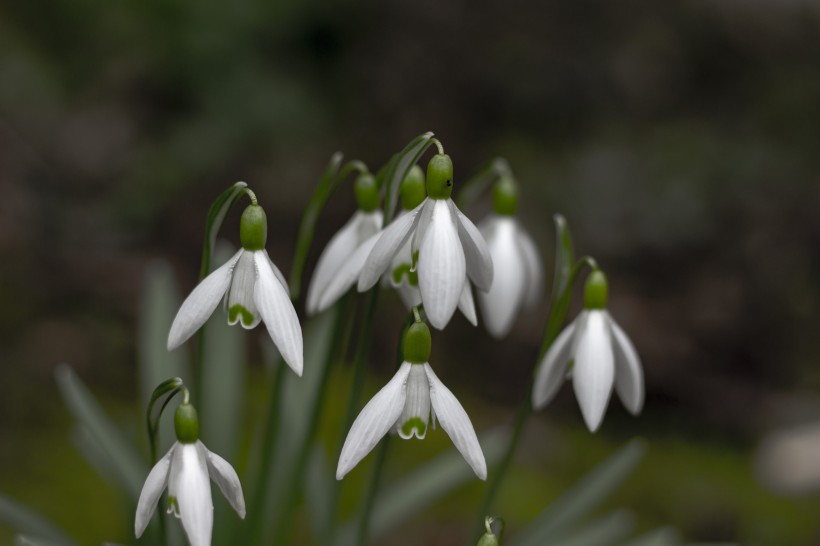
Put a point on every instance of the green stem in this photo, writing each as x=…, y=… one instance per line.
x=372, y=490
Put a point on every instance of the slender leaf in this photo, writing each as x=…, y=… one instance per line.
x=317, y=488
x=213, y=222
x=26, y=520
x=26, y=540
x=665, y=536
x=584, y=496
x=604, y=531
x=564, y=256
x=397, y=170
x=130, y=470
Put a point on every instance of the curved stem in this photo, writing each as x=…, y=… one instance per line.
x=439, y=146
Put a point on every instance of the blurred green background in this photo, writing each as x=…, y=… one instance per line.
x=679, y=139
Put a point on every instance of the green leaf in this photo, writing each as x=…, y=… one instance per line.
x=665, y=536
x=605, y=531
x=25, y=540
x=561, y=285
x=318, y=479
x=579, y=501
x=397, y=170
x=130, y=470
x=26, y=520
x=216, y=215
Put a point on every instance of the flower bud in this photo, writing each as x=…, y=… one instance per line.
x=440, y=177
x=412, y=188
x=186, y=424
x=505, y=197
x=595, y=291
x=367, y=192
x=253, y=228
x=417, y=344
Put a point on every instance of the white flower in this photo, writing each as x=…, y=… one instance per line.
x=412, y=400
x=339, y=257
x=254, y=290
x=185, y=470
x=602, y=356
x=518, y=275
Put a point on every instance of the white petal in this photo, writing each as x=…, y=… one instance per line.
x=200, y=304
x=393, y=237
x=224, y=476
x=188, y=483
x=347, y=274
x=551, y=371
x=466, y=304
x=278, y=273
x=456, y=423
x=534, y=266
x=239, y=299
x=155, y=484
x=377, y=417
x=441, y=267
x=410, y=295
x=277, y=311
x=341, y=245
x=423, y=222
x=628, y=371
x=500, y=305
x=415, y=417
x=594, y=372
x=479, y=261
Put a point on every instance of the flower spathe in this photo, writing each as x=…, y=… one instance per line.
x=186, y=471
x=518, y=275
x=412, y=400
x=254, y=290
x=603, y=356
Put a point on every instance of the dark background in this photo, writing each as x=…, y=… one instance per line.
x=679, y=139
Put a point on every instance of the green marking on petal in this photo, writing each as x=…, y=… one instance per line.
x=414, y=423
x=237, y=310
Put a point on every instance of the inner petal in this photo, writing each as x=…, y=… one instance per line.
x=416, y=414
x=239, y=298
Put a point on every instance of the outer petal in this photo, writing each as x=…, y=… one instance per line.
x=534, y=267
x=628, y=371
x=347, y=274
x=393, y=237
x=479, y=260
x=277, y=311
x=239, y=299
x=455, y=422
x=224, y=476
x=377, y=417
x=501, y=303
x=189, y=483
x=553, y=367
x=594, y=372
x=155, y=484
x=341, y=245
x=278, y=273
x=200, y=304
x=423, y=222
x=466, y=304
x=441, y=267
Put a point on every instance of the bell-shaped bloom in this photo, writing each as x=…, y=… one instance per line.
x=186, y=470
x=409, y=404
x=450, y=248
x=518, y=276
x=254, y=290
x=603, y=356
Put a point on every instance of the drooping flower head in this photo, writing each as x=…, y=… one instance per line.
x=254, y=290
x=450, y=248
x=186, y=471
x=409, y=404
x=598, y=355
x=340, y=259
x=517, y=275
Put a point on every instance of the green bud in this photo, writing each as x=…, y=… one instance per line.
x=440, y=177
x=488, y=539
x=367, y=192
x=417, y=344
x=412, y=188
x=595, y=291
x=505, y=197
x=186, y=424
x=253, y=228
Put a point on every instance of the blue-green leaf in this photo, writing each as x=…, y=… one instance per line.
x=397, y=170
x=606, y=531
x=26, y=520
x=318, y=480
x=564, y=256
x=665, y=536
x=213, y=222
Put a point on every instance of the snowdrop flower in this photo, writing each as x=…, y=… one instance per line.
x=254, y=290
x=185, y=471
x=450, y=248
x=339, y=256
x=602, y=356
x=408, y=404
x=518, y=275
x=402, y=274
